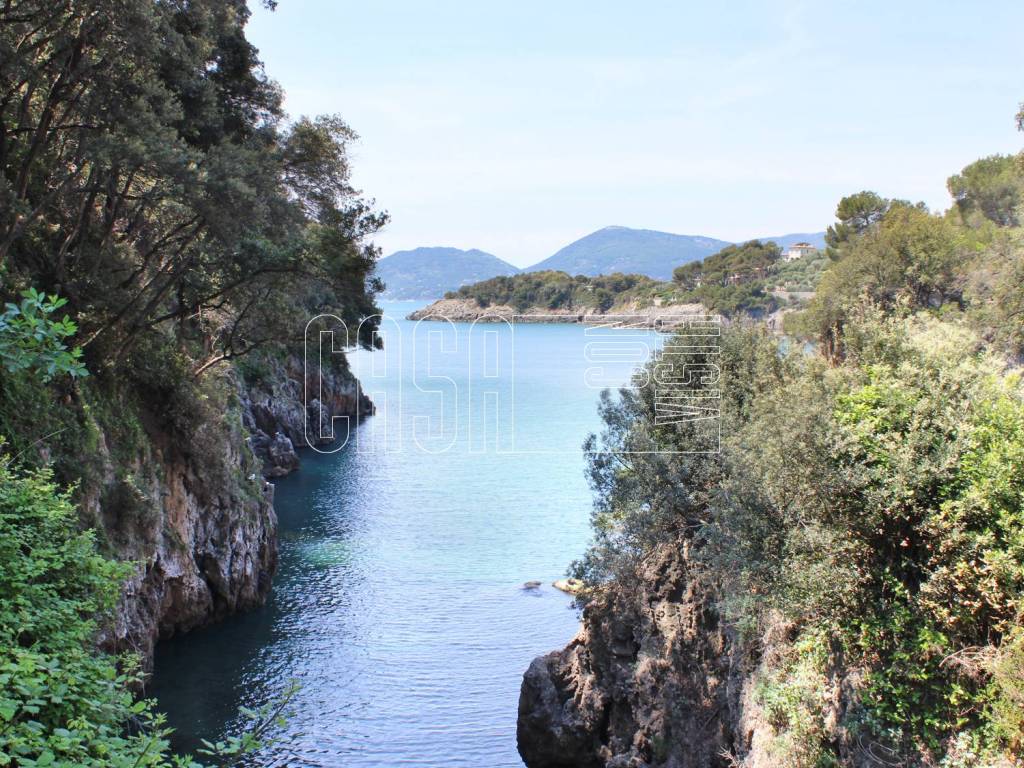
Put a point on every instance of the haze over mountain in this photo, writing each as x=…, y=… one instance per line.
x=428, y=273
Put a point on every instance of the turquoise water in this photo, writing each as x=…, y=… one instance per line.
x=399, y=606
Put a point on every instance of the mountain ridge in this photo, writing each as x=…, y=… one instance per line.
x=431, y=272
x=624, y=249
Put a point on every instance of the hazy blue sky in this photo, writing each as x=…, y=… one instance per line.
x=516, y=127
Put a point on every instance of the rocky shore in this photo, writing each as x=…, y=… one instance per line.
x=651, y=679
x=279, y=421
x=464, y=310
x=656, y=679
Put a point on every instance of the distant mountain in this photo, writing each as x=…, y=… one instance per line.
x=429, y=273
x=621, y=249
x=645, y=251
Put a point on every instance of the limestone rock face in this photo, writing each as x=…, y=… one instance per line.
x=280, y=421
x=277, y=453
x=652, y=679
x=198, y=521
x=195, y=512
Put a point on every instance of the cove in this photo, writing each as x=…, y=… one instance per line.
x=398, y=606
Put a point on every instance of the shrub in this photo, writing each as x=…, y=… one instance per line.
x=29, y=339
x=61, y=702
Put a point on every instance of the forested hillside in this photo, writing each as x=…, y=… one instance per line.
x=643, y=251
x=160, y=220
x=847, y=571
x=737, y=281
x=557, y=290
x=623, y=249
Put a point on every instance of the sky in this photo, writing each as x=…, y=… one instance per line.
x=518, y=127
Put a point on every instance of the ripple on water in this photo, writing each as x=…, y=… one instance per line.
x=399, y=605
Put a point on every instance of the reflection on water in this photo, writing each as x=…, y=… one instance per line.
x=399, y=605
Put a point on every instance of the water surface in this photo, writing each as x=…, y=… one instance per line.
x=399, y=606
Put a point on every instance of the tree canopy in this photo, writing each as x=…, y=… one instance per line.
x=992, y=187
x=149, y=176
x=732, y=281
x=160, y=216
x=860, y=528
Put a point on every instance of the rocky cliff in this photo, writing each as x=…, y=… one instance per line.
x=655, y=679
x=651, y=679
x=198, y=521
x=280, y=420
x=192, y=508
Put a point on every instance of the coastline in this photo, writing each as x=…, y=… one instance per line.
x=663, y=316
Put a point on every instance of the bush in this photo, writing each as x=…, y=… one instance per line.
x=29, y=339
x=61, y=702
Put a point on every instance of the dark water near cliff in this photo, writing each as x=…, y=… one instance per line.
x=398, y=606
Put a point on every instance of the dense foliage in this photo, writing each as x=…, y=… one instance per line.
x=149, y=179
x=64, y=704
x=734, y=280
x=30, y=339
x=908, y=257
x=992, y=188
x=868, y=496
x=147, y=176
x=557, y=290
x=61, y=702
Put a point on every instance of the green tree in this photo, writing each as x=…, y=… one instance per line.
x=992, y=187
x=855, y=214
x=907, y=258
x=732, y=281
x=61, y=702
x=146, y=173
x=873, y=508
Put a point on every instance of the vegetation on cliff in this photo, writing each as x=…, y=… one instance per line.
x=61, y=703
x=149, y=179
x=868, y=497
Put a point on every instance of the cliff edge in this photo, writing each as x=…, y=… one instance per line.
x=656, y=679
x=652, y=679
x=190, y=505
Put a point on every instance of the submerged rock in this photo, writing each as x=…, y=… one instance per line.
x=531, y=585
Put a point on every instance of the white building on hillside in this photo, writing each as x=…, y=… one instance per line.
x=798, y=251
